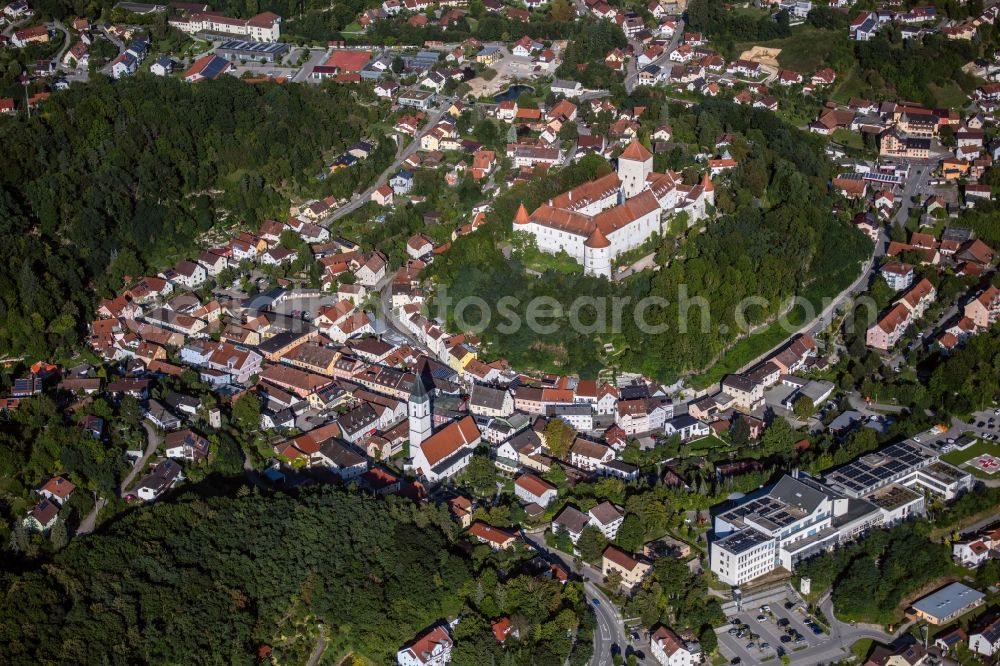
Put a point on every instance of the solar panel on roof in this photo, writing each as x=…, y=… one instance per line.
x=214, y=68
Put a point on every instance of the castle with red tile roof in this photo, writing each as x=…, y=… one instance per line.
x=604, y=218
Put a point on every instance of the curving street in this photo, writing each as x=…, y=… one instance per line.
x=358, y=200
x=152, y=442
x=609, y=635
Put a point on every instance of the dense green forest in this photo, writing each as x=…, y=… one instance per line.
x=114, y=180
x=776, y=238
x=210, y=580
x=715, y=18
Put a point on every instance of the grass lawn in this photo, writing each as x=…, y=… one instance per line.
x=848, y=138
x=543, y=261
x=706, y=444
x=750, y=11
x=861, y=648
x=949, y=95
x=979, y=448
x=849, y=85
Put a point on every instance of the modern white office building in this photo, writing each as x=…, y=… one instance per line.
x=800, y=516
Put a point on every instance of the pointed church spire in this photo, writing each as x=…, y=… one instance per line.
x=419, y=393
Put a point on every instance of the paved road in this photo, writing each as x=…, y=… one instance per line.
x=318, y=650
x=315, y=58
x=401, y=155
x=610, y=631
x=106, y=70
x=114, y=40
x=152, y=442
x=9, y=30
x=66, y=40
x=831, y=646
x=846, y=635
x=90, y=520
x=632, y=77
x=974, y=528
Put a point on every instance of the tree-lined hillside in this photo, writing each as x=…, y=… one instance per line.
x=210, y=580
x=114, y=180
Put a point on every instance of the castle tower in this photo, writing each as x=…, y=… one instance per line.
x=418, y=408
x=522, y=218
x=708, y=188
x=597, y=254
x=634, y=164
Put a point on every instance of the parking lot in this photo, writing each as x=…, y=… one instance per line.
x=758, y=636
x=986, y=424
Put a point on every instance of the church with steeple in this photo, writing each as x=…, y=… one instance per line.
x=600, y=220
x=437, y=455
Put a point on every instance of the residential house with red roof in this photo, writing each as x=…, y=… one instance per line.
x=432, y=648
x=629, y=568
x=57, y=489
x=670, y=650
x=533, y=489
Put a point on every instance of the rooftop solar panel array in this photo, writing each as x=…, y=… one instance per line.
x=765, y=510
x=743, y=540
x=879, y=468
x=214, y=68
x=253, y=47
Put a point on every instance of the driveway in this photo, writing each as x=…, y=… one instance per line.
x=9, y=30
x=66, y=40
x=152, y=442
x=86, y=525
